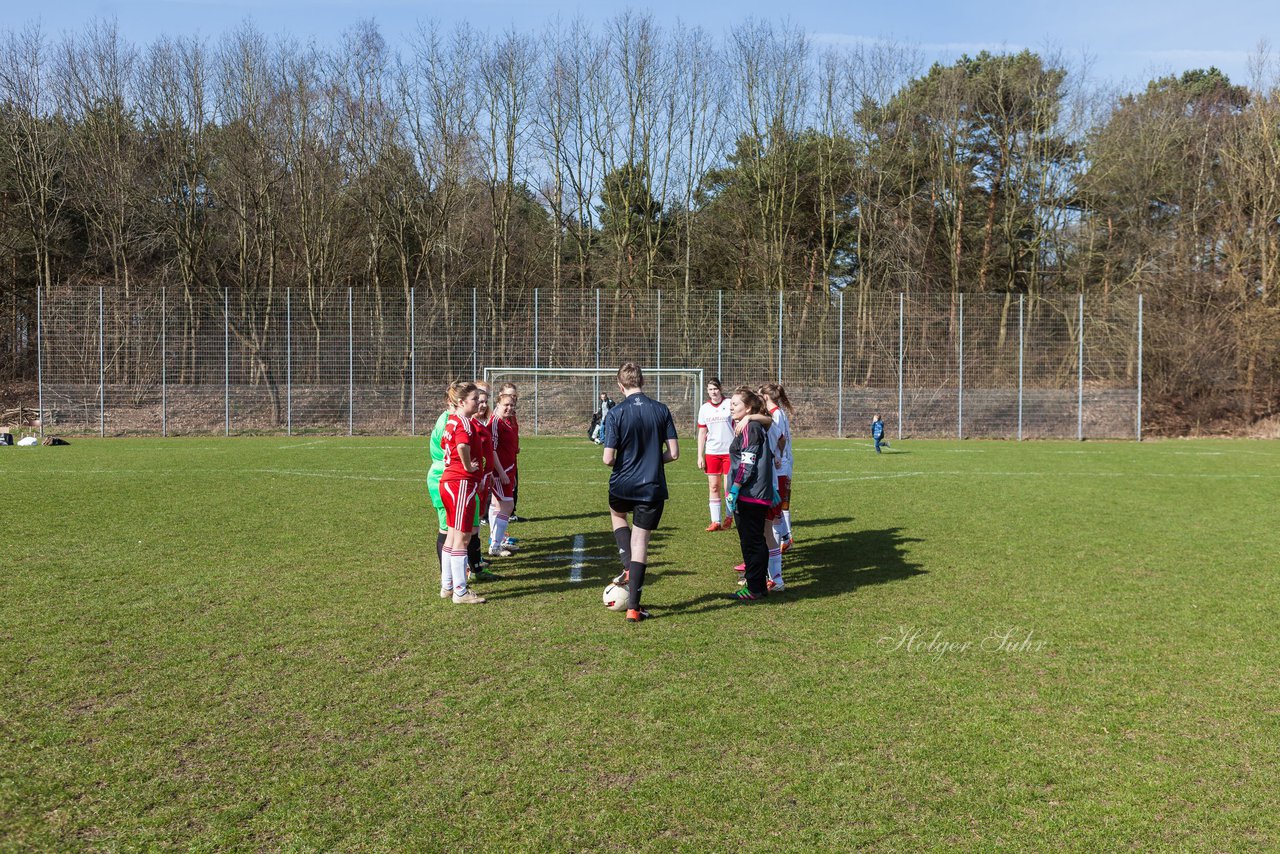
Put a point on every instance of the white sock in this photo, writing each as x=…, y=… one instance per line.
x=715, y=511
x=786, y=521
x=498, y=530
x=780, y=531
x=775, y=565
x=493, y=515
x=460, y=572
x=446, y=569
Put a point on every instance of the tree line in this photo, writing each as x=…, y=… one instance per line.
x=637, y=156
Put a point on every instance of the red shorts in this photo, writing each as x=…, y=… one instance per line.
x=717, y=463
x=504, y=493
x=784, y=498
x=459, y=497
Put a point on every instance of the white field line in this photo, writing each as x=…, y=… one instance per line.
x=421, y=478
x=575, y=568
x=303, y=445
x=337, y=475
x=974, y=473
x=407, y=447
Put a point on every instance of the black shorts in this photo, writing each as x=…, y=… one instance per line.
x=643, y=515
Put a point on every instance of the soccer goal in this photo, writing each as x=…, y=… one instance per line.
x=560, y=401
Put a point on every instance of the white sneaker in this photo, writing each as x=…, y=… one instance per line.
x=445, y=592
x=495, y=551
x=467, y=598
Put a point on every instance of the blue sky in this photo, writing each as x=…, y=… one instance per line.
x=1126, y=43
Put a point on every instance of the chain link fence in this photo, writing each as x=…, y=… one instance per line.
x=352, y=361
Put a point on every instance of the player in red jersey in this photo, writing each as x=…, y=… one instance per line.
x=507, y=442
x=510, y=388
x=463, y=468
x=490, y=478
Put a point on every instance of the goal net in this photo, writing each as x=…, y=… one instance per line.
x=560, y=401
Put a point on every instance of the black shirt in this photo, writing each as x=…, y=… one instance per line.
x=638, y=430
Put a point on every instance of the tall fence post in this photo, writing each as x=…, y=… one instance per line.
x=1139, y=367
x=102, y=370
x=902, y=309
x=659, y=343
x=779, y=337
x=840, y=373
x=351, y=366
x=1080, y=374
x=1022, y=298
x=413, y=369
x=288, y=360
x=226, y=362
x=164, y=362
x=536, y=355
x=596, y=384
x=40, y=357
x=960, y=377
x=719, y=333
x=475, y=333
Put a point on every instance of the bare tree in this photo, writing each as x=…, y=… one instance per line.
x=505, y=90
x=94, y=76
x=698, y=98
x=251, y=185
x=435, y=89
x=35, y=142
x=177, y=114
x=771, y=67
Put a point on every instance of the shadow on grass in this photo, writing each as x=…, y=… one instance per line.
x=522, y=575
x=562, y=518
x=835, y=565
x=884, y=449
x=829, y=566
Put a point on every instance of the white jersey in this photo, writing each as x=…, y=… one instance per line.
x=780, y=428
x=719, y=426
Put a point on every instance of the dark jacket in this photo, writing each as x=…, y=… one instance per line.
x=751, y=465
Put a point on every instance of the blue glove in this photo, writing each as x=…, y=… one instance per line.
x=731, y=504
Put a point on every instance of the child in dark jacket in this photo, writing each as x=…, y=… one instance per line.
x=877, y=433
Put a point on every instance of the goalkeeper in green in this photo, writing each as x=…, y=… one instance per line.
x=433, y=478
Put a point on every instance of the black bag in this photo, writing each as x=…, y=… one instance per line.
x=6, y=438
x=54, y=440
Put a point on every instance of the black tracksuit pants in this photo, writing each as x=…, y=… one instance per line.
x=750, y=521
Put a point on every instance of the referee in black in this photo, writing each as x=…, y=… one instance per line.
x=639, y=439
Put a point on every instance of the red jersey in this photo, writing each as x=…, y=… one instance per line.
x=460, y=430
x=507, y=438
x=488, y=461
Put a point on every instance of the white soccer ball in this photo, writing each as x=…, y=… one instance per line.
x=615, y=597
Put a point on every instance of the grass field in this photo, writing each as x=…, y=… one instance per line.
x=237, y=644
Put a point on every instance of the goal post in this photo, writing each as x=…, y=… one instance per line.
x=560, y=401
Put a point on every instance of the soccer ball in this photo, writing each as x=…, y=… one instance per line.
x=615, y=597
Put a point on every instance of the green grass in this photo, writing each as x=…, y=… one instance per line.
x=237, y=644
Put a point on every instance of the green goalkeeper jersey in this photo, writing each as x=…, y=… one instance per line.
x=437, y=458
